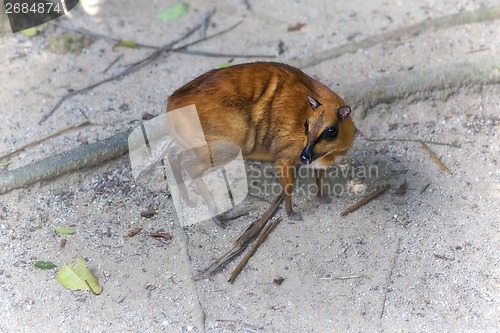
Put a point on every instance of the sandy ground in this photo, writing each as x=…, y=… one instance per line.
x=423, y=262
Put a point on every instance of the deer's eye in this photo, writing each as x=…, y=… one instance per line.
x=331, y=132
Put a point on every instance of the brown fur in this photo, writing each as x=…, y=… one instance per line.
x=262, y=108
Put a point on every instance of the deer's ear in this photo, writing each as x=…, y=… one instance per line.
x=313, y=102
x=344, y=112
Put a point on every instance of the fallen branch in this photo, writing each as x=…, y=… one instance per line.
x=31, y=144
x=241, y=243
x=480, y=15
x=183, y=50
x=96, y=35
x=249, y=327
x=260, y=239
x=435, y=158
x=364, y=200
x=426, y=186
x=113, y=62
x=224, y=55
x=136, y=66
x=342, y=277
x=453, y=145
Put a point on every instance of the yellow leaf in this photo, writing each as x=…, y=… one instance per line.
x=30, y=32
x=128, y=43
x=78, y=277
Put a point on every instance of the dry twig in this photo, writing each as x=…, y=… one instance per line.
x=364, y=200
x=31, y=144
x=241, y=243
x=426, y=186
x=134, y=67
x=260, y=239
x=342, y=277
x=224, y=55
x=402, y=188
x=96, y=35
x=241, y=323
x=453, y=145
x=113, y=62
x=182, y=50
x=435, y=158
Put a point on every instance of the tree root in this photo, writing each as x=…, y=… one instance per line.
x=480, y=15
x=79, y=158
x=447, y=79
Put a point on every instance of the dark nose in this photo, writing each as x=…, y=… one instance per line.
x=307, y=156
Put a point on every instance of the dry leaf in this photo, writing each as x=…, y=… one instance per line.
x=296, y=27
x=279, y=281
x=161, y=235
x=124, y=107
x=402, y=188
x=435, y=158
x=150, y=212
x=134, y=232
x=439, y=256
x=147, y=116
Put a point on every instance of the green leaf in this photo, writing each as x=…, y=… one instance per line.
x=173, y=12
x=64, y=231
x=45, y=264
x=78, y=277
x=128, y=43
x=30, y=32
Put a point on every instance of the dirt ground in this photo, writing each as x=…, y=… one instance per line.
x=427, y=261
